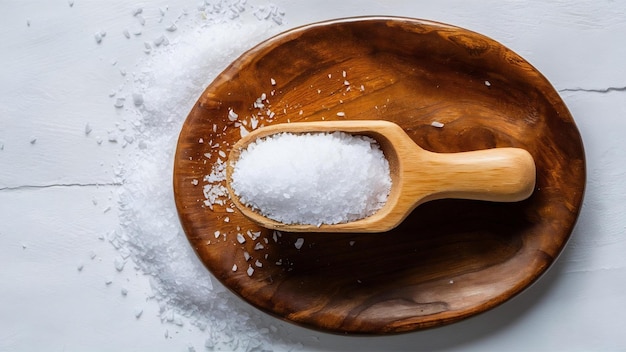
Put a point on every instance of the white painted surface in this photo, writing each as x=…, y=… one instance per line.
x=58, y=194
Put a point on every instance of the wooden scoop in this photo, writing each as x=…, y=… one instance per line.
x=417, y=175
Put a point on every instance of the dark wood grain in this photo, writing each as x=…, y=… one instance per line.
x=450, y=259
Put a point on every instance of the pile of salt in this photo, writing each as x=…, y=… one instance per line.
x=313, y=178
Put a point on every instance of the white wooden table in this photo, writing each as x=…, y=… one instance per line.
x=60, y=289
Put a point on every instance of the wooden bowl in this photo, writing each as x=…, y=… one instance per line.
x=450, y=259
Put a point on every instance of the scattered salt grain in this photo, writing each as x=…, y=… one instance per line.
x=341, y=114
x=142, y=21
x=119, y=103
x=137, y=99
x=137, y=11
x=488, y=84
x=240, y=238
x=232, y=116
x=315, y=178
x=71, y=3
x=299, y=243
x=161, y=40
x=234, y=267
x=124, y=292
x=272, y=81
x=98, y=36
x=250, y=270
x=138, y=312
x=258, y=264
x=87, y=129
x=80, y=267
x=126, y=33
x=119, y=264
x=33, y=140
x=171, y=28
x=437, y=124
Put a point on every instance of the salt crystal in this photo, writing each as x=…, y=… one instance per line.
x=171, y=28
x=124, y=292
x=272, y=81
x=352, y=243
x=119, y=103
x=299, y=243
x=33, y=140
x=341, y=114
x=258, y=246
x=160, y=40
x=246, y=256
x=243, y=131
x=98, y=37
x=71, y=3
x=344, y=74
x=138, y=312
x=126, y=33
x=240, y=238
x=328, y=177
x=232, y=116
x=137, y=11
x=137, y=99
x=437, y=124
x=488, y=84
x=234, y=267
x=250, y=270
x=87, y=129
x=258, y=263
x=142, y=21
x=80, y=267
x=119, y=264
x=194, y=182
x=346, y=83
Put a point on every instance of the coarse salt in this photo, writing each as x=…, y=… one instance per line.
x=313, y=178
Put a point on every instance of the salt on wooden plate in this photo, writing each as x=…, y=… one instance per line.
x=313, y=178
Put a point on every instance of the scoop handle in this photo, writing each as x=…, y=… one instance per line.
x=499, y=174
